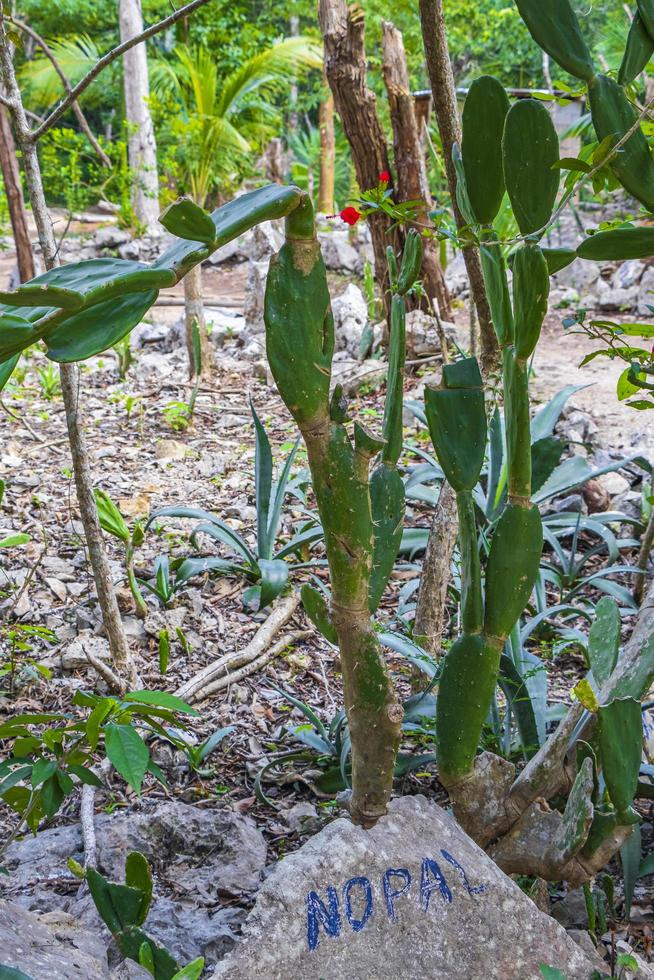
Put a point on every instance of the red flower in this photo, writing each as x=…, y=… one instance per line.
x=384, y=177
x=350, y=215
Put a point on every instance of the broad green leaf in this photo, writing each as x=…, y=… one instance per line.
x=191, y=971
x=6, y=371
x=161, y=699
x=263, y=469
x=14, y=540
x=128, y=753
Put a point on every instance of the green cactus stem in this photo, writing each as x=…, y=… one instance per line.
x=472, y=613
x=299, y=341
x=484, y=113
x=516, y=421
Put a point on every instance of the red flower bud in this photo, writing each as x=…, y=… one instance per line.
x=350, y=215
x=384, y=177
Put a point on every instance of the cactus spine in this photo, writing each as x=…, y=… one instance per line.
x=361, y=514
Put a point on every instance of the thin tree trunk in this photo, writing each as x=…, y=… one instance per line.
x=141, y=145
x=410, y=160
x=194, y=313
x=15, y=202
x=346, y=70
x=644, y=555
x=294, y=29
x=436, y=573
x=327, y=154
x=447, y=117
x=69, y=382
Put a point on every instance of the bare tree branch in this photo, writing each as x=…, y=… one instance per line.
x=81, y=118
x=107, y=59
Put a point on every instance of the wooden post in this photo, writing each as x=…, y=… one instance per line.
x=15, y=201
x=410, y=160
x=346, y=70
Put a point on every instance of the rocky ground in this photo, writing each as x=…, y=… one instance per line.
x=219, y=838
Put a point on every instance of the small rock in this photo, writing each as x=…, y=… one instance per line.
x=422, y=333
x=629, y=503
x=338, y=253
x=628, y=274
x=110, y=237
x=573, y=503
x=170, y=449
x=596, y=496
x=614, y=483
x=577, y=426
x=149, y=333
x=302, y=817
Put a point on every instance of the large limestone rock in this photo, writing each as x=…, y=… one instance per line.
x=199, y=856
x=350, y=319
x=413, y=898
x=50, y=947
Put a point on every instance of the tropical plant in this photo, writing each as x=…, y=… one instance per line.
x=113, y=522
x=50, y=753
x=564, y=568
x=329, y=747
x=514, y=149
x=633, y=383
x=219, y=121
x=124, y=909
x=267, y=566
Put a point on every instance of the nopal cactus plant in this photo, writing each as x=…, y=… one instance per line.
x=515, y=149
x=361, y=512
x=124, y=909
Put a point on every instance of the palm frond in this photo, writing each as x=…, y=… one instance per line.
x=76, y=55
x=281, y=62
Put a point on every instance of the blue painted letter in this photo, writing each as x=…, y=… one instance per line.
x=471, y=889
x=427, y=883
x=357, y=924
x=391, y=894
x=317, y=914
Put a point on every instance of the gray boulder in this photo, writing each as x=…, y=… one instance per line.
x=412, y=898
x=338, y=252
x=350, y=318
x=199, y=857
x=50, y=947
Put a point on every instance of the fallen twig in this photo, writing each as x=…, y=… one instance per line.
x=195, y=688
x=251, y=667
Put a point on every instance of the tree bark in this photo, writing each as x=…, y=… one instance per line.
x=69, y=382
x=15, y=202
x=436, y=573
x=410, y=161
x=447, y=117
x=194, y=313
x=327, y=155
x=346, y=69
x=141, y=145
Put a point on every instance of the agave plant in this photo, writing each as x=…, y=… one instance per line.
x=267, y=567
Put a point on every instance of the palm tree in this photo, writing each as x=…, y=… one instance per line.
x=220, y=123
